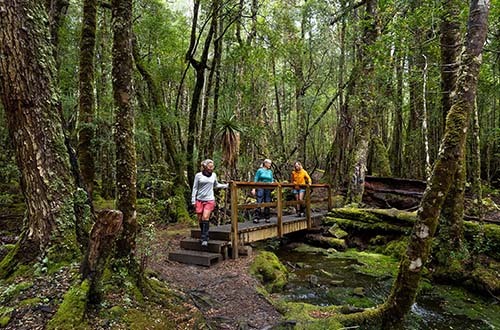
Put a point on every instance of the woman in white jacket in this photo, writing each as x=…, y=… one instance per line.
x=203, y=197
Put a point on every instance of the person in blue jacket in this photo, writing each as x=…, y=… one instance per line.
x=263, y=174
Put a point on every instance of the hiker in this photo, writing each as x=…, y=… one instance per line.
x=300, y=176
x=203, y=197
x=263, y=174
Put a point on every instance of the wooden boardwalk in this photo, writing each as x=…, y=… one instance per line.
x=227, y=240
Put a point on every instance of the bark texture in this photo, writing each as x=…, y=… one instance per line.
x=126, y=168
x=86, y=125
x=365, y=92
x=29, y=96
x=451, y=230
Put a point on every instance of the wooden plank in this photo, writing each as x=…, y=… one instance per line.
x=279, y=212
x=308, y=206
x=234, y=219
x=214, y=246
x=214, y=233
x=195, y=257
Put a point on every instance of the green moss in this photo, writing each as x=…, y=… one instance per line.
x=71, y=312
x=460, y=302
x=337, y=232
x=179, y=206
x=310, y=317
x=380, y=160
x=152, y=320
x=488, y=277
x=396, y=248
x=270, y=271
x=4, y=320
x=304, y=248
x=8, y=263
x=485, y=238
x=30, y=302
x=13, y=291
x=116, y=312
x=373, y=264
x=5, y=314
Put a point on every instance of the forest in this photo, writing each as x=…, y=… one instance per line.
x=108, y=108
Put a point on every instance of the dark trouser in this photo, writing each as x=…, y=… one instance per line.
x=204, y=226
x=263, y=196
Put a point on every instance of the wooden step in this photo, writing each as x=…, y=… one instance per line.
x=214, y=246
x=195, y=257
x=213, y=234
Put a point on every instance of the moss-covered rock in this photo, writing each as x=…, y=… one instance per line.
x=337, y=232
x=306, y=316
x=326, y=242
x=270, y=271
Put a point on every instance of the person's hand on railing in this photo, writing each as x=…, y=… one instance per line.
x=253, y=192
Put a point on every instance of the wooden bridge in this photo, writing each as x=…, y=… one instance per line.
x=236, y=234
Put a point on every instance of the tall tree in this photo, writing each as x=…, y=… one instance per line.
x=29, y=95
x=451, y=231
x=86, y=103
x=364, y=93
x=200, y=67
x=126, y=168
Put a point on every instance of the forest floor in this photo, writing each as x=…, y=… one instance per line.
x=225, y=293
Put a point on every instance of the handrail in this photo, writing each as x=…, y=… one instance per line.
x=235, y=185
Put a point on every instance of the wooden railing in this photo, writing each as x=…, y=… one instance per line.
x=278, y=204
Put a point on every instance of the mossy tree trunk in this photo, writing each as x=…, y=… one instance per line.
x=451, y=229
x=86, y=127
x=410, y=271
x=365, y=107
x=126, y=169
x=29, y=96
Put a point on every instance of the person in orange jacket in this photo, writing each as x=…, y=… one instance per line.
x=300, y=176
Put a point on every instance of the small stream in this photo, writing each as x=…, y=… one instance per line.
x=320, y=279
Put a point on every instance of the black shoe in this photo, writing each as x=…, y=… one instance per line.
x=298, y=215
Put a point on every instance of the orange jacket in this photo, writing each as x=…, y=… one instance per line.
x=300, y=177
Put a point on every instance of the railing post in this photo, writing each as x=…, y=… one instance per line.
x=308, y=207
x=330, y=202
x=234, y=219
x=279, y=211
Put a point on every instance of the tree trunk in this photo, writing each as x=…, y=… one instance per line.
x=200, y=67
x=86, y=125
x=450, y=236
x=396, y=150
x=364, y=92
x=217, y=66
x=126, y=170
x=29, y=96
x=450, y=52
